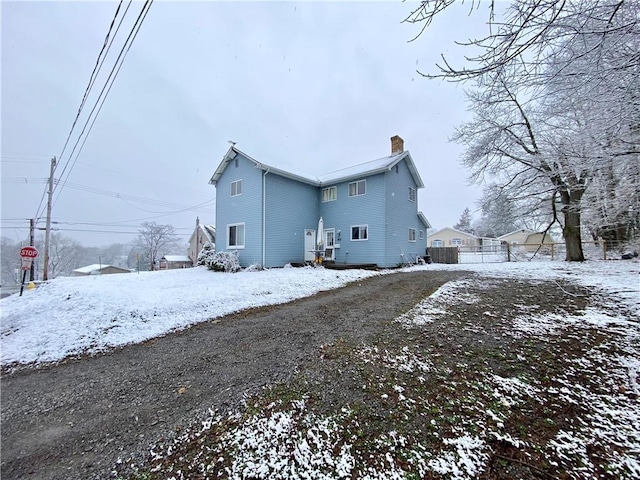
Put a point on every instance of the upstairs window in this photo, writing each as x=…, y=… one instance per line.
x=421, y=234
x=412, y=194
x=357, y=188
x=236, y=188
x=329, y=194
x=436, y=243
x=412, y=234
x=456, y=241
x=359, y=232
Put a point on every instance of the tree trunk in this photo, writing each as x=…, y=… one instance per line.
x=571, y=230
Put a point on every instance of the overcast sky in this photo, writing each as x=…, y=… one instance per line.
x=307, y=87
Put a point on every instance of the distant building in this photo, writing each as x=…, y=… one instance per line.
x=528, y=239
x=98, y=269
x=201, y=235
x=173, y=262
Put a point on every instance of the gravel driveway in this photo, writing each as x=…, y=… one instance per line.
x=74, y=420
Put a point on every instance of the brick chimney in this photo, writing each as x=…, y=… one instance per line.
x=397, y=145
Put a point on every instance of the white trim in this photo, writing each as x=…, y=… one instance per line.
x=412, y=230
x=238, y=245
x=415, y=195
x=360, y=229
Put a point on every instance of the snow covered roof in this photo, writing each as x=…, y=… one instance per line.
x=176, y=258
x=95, y=267
x=520, y=230
x=424, y=220
x=372, y=167
x=233, y=152
x=466, y=234
x=209, y=232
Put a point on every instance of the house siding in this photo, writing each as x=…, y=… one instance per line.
x=290, y=208
x=346, y=212
x=245, y=208
x=448, y=234
x=401, y=214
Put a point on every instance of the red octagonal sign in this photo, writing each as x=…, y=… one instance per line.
x=28, y=252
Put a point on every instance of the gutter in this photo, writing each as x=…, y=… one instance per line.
x=264, y=216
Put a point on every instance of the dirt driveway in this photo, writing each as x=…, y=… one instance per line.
x=74, y=420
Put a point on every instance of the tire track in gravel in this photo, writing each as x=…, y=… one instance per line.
x=75, y=419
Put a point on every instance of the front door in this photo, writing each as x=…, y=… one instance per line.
x=329, y=242
x=309, y=245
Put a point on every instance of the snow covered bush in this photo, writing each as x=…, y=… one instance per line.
x=223, y=262
x=206, y=254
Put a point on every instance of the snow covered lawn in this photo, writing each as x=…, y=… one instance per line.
x=523, y=369
x=75, y=315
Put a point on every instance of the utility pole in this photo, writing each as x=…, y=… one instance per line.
x=47, y=233
x=32, y=226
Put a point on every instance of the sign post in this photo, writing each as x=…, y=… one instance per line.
x=27, y=254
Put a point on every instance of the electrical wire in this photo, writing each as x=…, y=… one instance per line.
x=96, y=70
x=109, y=82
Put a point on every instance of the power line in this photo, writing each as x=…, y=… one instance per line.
x=96, y=70
x=111, y=78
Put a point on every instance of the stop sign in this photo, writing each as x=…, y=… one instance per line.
x=28, y=252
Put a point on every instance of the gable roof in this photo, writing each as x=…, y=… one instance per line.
x=380, y=165
x=520, y=230
x=372, y=167
x=466, y=234
x=97, y=267
x=233, y=152
x=176, y=258
x=209, y=232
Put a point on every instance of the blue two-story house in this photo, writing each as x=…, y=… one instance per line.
x=369, y=211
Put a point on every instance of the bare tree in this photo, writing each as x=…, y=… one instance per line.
x=155, y=240
x=555, y=100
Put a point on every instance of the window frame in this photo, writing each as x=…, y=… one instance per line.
x=457, y=242
x=333, y=189
x=357, y=189
x=237, y=245
x=412, y=233
x=437, y=243
x=412, y=195
x=421, y=235
x=236, y=183
x=361, y=228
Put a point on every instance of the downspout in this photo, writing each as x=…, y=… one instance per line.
x=264, y=216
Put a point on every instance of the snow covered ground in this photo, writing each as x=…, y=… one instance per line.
x=73, y=315
x=288, y=440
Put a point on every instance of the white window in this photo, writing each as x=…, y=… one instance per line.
x=436, y=243
x=412, y=234
x=421, y=234
x=357, y=188
x=359, y=232
x=236, y=188
x=235, y=235
x=329, y=194
x=412, y=194
x=456, y=241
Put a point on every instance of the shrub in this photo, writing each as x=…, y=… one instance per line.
x=223, y=262
x=206, y=254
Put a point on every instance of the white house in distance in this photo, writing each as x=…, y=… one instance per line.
x=201, y=235
x=528, y=239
